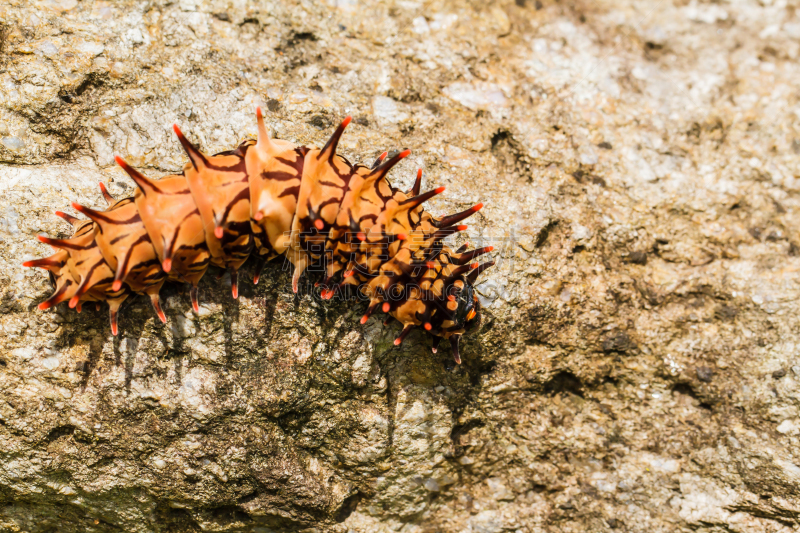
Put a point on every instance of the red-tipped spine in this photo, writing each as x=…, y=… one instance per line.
x=43, y=263
x=380, y=159
x=330, y=147
x=371, y=309
x=386, y=166
x=91, y=213
x=157, y=306
x=473, y=276
x=112, y=314
x=458, y=217
x=417, y=183
x=446, y=232
x=58, y=243
x=462, y=269
x=260, y=262
x=140, y=179
x=468, y=256
x=193, y=294
x=235, y=284
x=416, y=201
x=403, y=334
x=69, y=218
x=106, y=194
x=195, y=156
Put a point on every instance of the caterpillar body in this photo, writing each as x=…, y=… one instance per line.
x=268, y=198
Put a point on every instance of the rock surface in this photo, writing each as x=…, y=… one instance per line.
x=637, y=370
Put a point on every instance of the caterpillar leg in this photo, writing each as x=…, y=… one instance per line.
x=157, y=306
x=435, y=344
x=298, y=271
x=112, y=315
x=373, y=306
x=259, y=267
x=403, y=334
x=193, y=294
x=61, y=294
x=454, y=346
x=113, y=312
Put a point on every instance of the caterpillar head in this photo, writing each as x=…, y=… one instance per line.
x=468, y=313
x=463, y=304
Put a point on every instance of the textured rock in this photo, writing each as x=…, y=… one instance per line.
x=637, y=370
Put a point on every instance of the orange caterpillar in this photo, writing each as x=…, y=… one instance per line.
x=270, y=197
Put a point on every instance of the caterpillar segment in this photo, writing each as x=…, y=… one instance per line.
x=269, y=198
x=83, y=274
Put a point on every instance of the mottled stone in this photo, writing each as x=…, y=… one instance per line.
x=637, y=366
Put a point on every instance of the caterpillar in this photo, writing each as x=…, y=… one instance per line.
x=271, y=198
